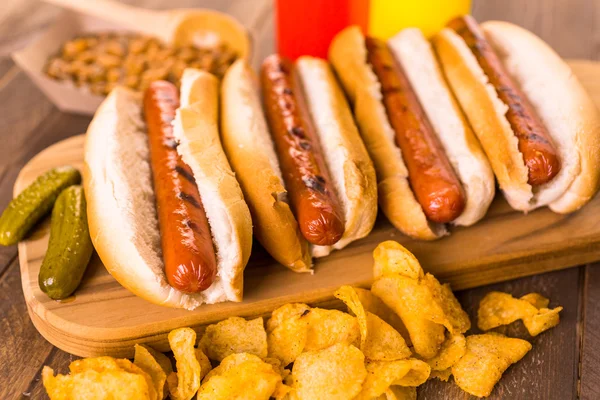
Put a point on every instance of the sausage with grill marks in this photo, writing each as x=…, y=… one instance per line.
x=315, y=203
x=432, y=178
x=187, y=247
x=539, y=152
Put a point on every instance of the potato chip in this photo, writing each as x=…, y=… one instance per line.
x=241, y=376
x=456, y=319
x=486, y=359
x=91, y=384
x=185, y=383
x=234, y=335
x=392, y=258
x=417, y=374
x=337, y=372
x=285, y=313
x=443, y=375
x=161, y=359
x=542, y=321
x=451, y=351
x=414, y=304
x=103, y=364
x=144, y=359
x=379, y=341
x=383, y=374
x=205, y=365
x=277, y=366
x=536, y=299
x=373, y=304
x=287, y=331
x=401, y=393
x=328, y=327
x=498, y=308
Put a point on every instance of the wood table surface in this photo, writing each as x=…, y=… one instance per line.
x=564, y=362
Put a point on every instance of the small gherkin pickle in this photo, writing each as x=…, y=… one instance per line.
x=34, y=203
x=70, y=246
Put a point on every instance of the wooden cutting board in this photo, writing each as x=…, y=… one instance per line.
x=103, y=318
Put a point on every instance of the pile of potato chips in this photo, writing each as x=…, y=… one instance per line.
x=407, y=329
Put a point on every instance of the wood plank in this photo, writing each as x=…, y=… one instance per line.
x=509, y=245
x=590, y=326
x=550, y=369
x=23, y=350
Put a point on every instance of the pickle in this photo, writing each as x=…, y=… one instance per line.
x=70, y=246
x=34, y=203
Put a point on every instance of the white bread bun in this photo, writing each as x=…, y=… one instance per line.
x=248, y=146
x=564, y=108
x=348, y=55
x=346, y=157
x=122, y=210
x=464, y=152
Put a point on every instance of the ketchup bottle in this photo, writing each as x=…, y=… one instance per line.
x=306, y=27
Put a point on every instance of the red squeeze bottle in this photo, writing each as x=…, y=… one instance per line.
x=306, y=27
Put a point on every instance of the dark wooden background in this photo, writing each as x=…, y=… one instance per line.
x=564, y=362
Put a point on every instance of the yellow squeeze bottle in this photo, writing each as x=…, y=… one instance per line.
x=388, y=17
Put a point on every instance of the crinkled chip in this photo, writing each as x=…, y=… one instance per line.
x=498, y=308
x=337, y=372
x=277, y=366
x=185, y=383
x=240, y=376
x=102, y=364
x=144, y=359
x=234, y=335
x=417, y=374
x=373, y=304
x=401, y=393
x=328, y=327
x=456, y=319
x=536, y=299
x=451, y=351
x=205, y=365
x=287, y=331
x=383, y=374
x=392, y=258
x=542, y=321
x=443, y=375
x=486, y=359
x=379, y=341
x=414, y=304
x=91, y=384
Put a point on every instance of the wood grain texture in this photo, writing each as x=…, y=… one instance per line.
x=589, y=383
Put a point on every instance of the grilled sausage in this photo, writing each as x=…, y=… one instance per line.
x=430, y=174
x=307, y=180
x=539, y=153
x=187, y=247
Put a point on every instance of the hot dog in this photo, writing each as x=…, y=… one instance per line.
x=535, y=144
x=187, y=248
x=311, y=185
x=308, y=182
x=166, y=214
x=429, y=172
x=431, y=176
x=529, y=112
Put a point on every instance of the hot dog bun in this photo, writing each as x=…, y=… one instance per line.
x=345, y=154
x=348, y=56
x=413, y=51
x=559, y=100
x=250, y=150
x=121, y=201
